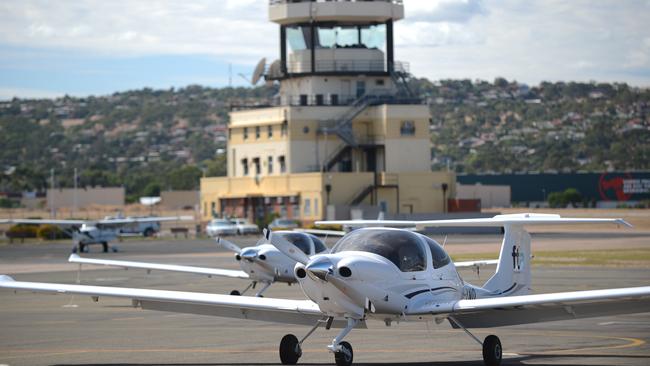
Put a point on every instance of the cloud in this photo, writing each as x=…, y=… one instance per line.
x=435, y=11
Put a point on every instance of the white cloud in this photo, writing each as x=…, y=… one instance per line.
x=525, y=40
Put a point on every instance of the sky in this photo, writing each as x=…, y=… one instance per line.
x=97, y=47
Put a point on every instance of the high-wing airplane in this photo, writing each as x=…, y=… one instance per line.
x=394, y=275
x=262, y=264
x=86, y=232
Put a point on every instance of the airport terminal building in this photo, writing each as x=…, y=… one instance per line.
x=343, y=130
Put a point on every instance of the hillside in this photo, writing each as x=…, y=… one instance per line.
x=149, y=139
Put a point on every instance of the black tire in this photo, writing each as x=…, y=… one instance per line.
x=105, y=246
x=235, y=293
x=148, y=232
x=82, y=248
x=342, y=358
x=290, y=350
x=492, y=351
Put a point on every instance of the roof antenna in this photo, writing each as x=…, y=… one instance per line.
x=445, y=241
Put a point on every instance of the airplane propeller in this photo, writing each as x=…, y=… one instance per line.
x=228, y=245
x=286, y=247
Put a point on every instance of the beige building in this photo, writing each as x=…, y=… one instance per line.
x=491, y=196
x=84, y=197
x=179, y=200
x=345, y=130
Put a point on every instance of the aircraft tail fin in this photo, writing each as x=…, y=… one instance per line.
x=512, y=276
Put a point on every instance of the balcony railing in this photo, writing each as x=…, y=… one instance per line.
x=341, y=100
x=298, y=67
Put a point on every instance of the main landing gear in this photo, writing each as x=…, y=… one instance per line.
x=252, y=285
x=291, y=348
x=492, y=351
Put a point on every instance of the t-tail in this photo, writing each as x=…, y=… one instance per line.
x=512, y=276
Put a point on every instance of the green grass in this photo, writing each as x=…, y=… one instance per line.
x=610, y=258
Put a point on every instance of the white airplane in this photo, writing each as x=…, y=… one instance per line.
x=261, y=264
x=86, y=232
x=393, y=275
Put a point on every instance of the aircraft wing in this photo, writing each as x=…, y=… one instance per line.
x=366, y=223
x=518, y=219
x=513, y=310
x=74, y=258
x=300, y=312
x=473, y=264
x=321, y=232
x=131, y=220
x=44, y=221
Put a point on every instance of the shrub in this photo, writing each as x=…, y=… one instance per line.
x=563, y=199
x=22, y=231
x=50, y=232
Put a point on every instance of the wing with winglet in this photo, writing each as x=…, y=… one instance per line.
x=131, y=220
x=513, y=310
x=44, y=221
x=300, y=312
x=74, y=258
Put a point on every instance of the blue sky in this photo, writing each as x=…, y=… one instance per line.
x=84, y=47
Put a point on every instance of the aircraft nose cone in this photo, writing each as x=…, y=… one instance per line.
x=320, y=268
x=249, y=254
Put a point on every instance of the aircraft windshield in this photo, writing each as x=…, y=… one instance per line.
x=403, y=248
x=302, y=241
x=439, y=257
x=319, y=247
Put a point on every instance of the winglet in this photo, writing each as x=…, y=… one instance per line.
x=5, y=278
x=623, y=222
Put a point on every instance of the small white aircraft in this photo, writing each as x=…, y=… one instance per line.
x=261, y=264
x=86, y=232
x=394, y=275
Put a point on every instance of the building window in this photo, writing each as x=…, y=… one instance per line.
x=229, y=133
x=257, y=132
x=319, y=99
x=379, y=82
x=303, y=99
x=283, y=129
x=258, y=168
x=305, y=130
x=306, y=207
x=269, y=131
x=244, y=164
x=407, y=128
x=334, y=99
x=270, y=164
x=245, y=133
x=283, y=165
x=316, y=206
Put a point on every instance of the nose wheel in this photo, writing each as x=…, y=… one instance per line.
x=290, y=350
x=344, y=356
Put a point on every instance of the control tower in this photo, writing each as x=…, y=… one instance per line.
x=343, y=132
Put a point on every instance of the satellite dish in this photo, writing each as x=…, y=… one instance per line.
x=275, y=72
x=259, y=70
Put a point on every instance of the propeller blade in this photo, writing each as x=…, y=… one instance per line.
x=228, y=245
x=286, y=247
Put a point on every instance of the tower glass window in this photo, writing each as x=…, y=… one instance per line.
x=244, y=163
x=270, y=164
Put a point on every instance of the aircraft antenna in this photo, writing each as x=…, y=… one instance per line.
x=445, y=241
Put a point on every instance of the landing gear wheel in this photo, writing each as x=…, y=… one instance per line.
x=235, y=293
x=290, y=350
x=344, y=357
x=492, y=351
x=105, y=246
x=82, y=248
x=148, y=232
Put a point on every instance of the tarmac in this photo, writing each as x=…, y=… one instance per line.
x=40, y=329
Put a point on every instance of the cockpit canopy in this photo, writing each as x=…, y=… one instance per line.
x=304, y=242
x=405, y=249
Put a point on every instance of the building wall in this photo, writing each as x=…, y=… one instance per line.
x=490, y=195
x=178, y=200
x=59, y=198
